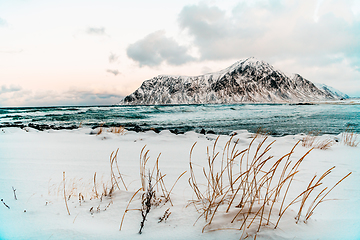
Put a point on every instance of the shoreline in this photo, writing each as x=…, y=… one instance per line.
x=137, y=129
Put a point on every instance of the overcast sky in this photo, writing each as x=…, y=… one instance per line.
x=74, y=52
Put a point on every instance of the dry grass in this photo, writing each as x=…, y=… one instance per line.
x=164, y=217
x=115, y=176
x=67, y=208
x=261, y=133
x=14, y=191
x=249, y=187
x=117, y=130
x=349, y=138
x=74, y=186
x=7, y=206
x=81, y=189
x=312, y=140
x=152, y=185
x=147, y=200
x=256, y=195
x=100, y=131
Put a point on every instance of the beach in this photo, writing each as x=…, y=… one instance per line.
x=35, y=164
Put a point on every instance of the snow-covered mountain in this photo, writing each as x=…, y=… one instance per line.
x=248, y=80
x=331, y=90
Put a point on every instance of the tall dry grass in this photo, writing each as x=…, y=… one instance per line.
x=313, y=140
x=153, y=190
x=249, y=187
x=256, y=194
x=93, y=189
x=349, y=138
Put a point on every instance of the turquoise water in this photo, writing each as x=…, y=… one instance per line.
x=278, y=119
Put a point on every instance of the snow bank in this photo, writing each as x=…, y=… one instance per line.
x=33, y=163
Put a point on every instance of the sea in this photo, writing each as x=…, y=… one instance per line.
x=275, y=119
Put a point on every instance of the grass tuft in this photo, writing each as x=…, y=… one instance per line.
x=312, y=140
x=117, y=130
x=164, y=217
x=251, y=194
x=152, y=185
x=349, y=138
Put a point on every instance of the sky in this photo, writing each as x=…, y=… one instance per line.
x=95, y=52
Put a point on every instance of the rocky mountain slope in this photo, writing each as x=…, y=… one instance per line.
x=246, y=81
x=331, y=90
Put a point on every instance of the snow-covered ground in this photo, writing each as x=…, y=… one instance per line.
x=33, y=163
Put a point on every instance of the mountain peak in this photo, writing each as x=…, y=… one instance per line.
x=247, y=62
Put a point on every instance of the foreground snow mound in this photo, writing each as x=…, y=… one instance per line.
x=77, y=185
x=248, y=80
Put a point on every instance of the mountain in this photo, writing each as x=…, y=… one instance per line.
x=331, y=90
x=246, y=81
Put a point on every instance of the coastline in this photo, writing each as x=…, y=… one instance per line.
x=278, y=120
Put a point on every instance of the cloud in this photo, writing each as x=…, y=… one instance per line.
x=113, y=58
x=96, y=31
x=93, y=93
x=275, y=29
x=93, y=97
x=18, y=97
x=156, y=48
x=217, y=35
x=12, y=88
x=115, y=71
x=2, y=22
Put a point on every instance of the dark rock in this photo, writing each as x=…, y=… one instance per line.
x=137, y=129
x=40, y=127
x=211, y=132
x=176, y=131
x=155, y=130
x=304, y=103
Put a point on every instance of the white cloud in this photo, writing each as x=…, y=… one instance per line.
x=113, y=71
x=12, y=88
x=73, y=96
x=271, y=30
x=113, y=58
x=156, y=48
x=96, y=31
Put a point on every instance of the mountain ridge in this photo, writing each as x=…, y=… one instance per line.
x=246, y=81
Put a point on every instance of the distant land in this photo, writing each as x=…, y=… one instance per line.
x=246, y=81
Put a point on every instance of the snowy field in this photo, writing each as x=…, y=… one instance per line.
x=34, y=163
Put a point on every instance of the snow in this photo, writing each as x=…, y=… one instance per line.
x=33, y=163
x=332, y=90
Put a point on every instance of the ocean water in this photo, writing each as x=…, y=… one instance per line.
x=277, y=119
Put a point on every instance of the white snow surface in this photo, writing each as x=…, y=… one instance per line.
x=33, y=163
